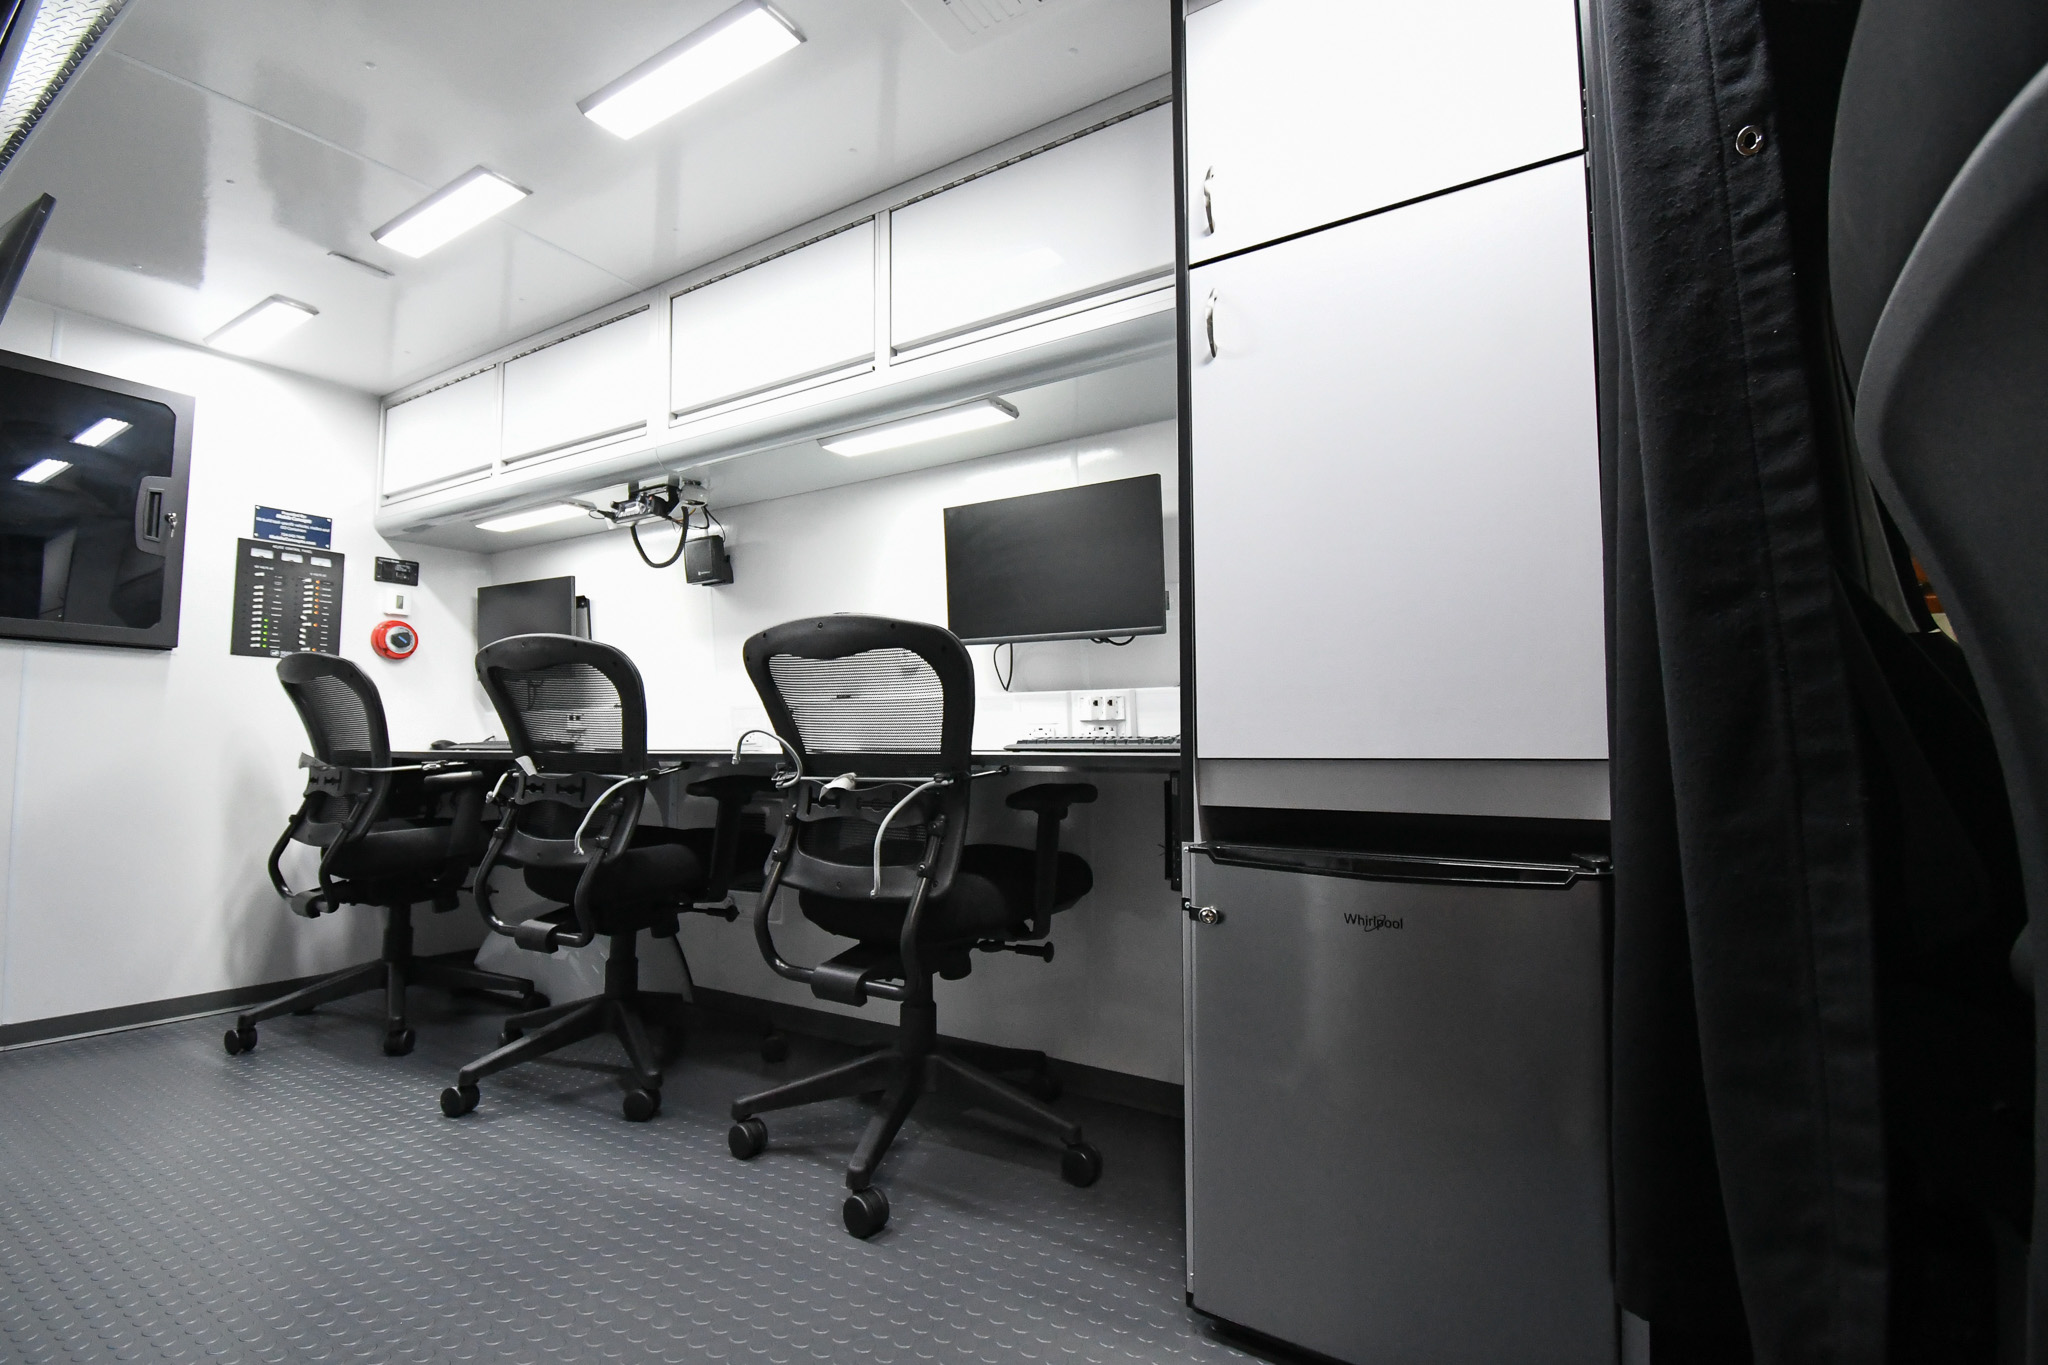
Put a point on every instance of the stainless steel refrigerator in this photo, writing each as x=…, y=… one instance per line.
x=1397, y=1115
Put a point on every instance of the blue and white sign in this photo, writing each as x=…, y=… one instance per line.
x=300, y=528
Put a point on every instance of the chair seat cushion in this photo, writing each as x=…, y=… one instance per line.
x=663, y=866
x=990, y=898
x=394, y=850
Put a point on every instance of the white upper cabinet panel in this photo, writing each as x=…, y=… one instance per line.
x=1301, y=113
x=805, y=316
x=1080, y=219
x=442, y=435
x=592, y=385
x=1396, y=483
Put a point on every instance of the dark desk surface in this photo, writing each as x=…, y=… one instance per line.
x=1034, y=761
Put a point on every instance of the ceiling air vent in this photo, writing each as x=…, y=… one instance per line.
x=967, y=24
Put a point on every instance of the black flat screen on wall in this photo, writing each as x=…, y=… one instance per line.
x=1067, y=565
x=92, y=505
x=538, y=606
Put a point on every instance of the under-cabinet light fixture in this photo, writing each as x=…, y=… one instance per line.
x=538, y=516
x=42, y=471
x=101, y=432
x=926, y=426
x=263, y=324
x=744, y=38
x=478, y=194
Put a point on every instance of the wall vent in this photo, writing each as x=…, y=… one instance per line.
x=965, y=24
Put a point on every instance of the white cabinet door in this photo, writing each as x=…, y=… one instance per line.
x=595, y=384
x=442, y=435
x=1396, y=486
x=804, y=317
x=1304, y=112
x=1078, y=220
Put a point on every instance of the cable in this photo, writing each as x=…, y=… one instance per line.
x=634, y=531
x=995, y=662
x=1105, y=640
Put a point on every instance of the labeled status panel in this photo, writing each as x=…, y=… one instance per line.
x=287, y=599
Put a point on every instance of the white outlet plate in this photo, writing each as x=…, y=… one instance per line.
x=1101, y=710
x=397, y=601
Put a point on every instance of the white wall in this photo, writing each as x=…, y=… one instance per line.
x=1112, y=995
x=140, y=791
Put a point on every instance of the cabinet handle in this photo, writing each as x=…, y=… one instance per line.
x=1209, y=200
x=1209, y=324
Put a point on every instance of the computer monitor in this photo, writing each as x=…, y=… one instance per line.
x=17, y=243
x=1074, y=564
x=538, y=606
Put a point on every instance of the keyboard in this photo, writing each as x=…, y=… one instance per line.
x=1101, y=741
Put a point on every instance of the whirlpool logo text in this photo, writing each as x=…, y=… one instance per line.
x=1369, y=923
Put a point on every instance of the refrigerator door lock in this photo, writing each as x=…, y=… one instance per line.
x=1202, y=914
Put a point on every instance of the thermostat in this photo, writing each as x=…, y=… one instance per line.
x=395, y=640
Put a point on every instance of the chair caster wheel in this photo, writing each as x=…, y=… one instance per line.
x=399, y=1043
x=865, y=1212
x=748, y=1138
x=641, y=1105
x=775, y=1048
x=1044, y=1086
x=458, y=1100
x=511, y=1033
x=239, y=1040
x=1081, y=1165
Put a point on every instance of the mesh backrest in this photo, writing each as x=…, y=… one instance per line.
x=337, y=721
x=569, y=706
x=879, y=701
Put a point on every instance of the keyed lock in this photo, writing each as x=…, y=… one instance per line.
x=1208, y=914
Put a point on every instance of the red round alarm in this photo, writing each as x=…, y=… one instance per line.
x=395, y=640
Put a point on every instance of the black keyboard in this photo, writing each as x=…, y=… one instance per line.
x=1124, y=743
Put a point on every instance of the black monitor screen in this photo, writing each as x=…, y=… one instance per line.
x=539, y=606
x=18, y=236
x=1068, y=565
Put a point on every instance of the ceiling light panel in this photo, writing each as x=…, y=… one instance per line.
x=743, y=39
x=42, y=45
x=101, y=432
x=928, y=426
x=473, y=197
x=42, y=471
x=526, y=521
x=264, y=324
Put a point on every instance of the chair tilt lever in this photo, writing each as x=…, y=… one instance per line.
x=851, y=977
x=996, y=945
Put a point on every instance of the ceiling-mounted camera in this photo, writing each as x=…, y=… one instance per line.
x=679, y=502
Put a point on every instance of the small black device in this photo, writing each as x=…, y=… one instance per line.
x=538, y=606
x=402, y=571
x=1073, y=564
x=17, y=243
x=705, y=561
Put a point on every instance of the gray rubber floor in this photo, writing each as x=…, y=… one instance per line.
x=160, y=1200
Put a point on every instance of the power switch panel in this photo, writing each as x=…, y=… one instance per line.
x=1101, y=709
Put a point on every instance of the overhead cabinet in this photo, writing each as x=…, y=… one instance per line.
x=1078, y=222
x=1302, y=113
x=802, y=318
x=442, y=436
x=1397, y=513
x=590, y=386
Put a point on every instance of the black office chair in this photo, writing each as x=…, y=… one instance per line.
x=368, y=858
x=575, y=713
x=878, y=716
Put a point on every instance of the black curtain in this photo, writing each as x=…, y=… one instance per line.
x=1822, y=1067
x=1748, y=1131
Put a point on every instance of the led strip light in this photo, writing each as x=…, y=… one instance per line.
x=58, y=36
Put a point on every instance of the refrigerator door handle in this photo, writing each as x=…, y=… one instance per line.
x=1408, y=867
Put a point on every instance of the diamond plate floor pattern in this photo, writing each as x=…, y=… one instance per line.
x=161, y=1201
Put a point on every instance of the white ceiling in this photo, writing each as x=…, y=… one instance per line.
x=215, y=152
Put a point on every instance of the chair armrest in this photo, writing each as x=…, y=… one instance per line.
x=1051, y=801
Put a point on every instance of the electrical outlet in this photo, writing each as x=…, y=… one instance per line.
x=1101, y=709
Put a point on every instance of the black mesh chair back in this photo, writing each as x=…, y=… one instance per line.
x=881, y=699
x=344, y=721
x=576, y=711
